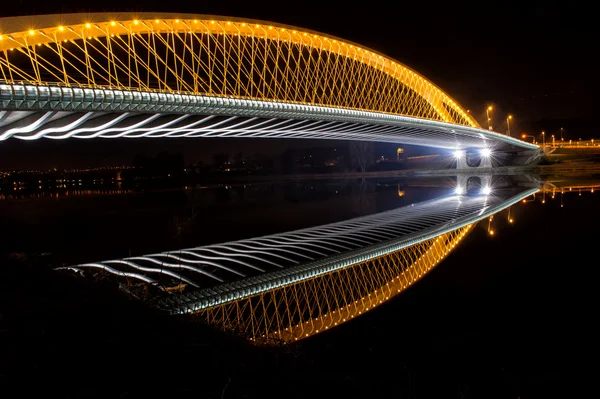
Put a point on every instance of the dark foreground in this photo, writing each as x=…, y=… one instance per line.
x=504, y=317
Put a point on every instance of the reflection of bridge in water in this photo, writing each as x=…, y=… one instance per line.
x=288, y=286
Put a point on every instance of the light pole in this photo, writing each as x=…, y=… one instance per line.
x=561, y=132
x=552, y=140
x=528, y=135
x=508, y=123
x=487, y=112
x=543, y=139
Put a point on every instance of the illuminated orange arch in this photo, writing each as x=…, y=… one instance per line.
x=219, y=56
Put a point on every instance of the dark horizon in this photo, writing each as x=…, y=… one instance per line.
x=47, y=154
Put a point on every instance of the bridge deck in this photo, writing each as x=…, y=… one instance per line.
x=31, y=112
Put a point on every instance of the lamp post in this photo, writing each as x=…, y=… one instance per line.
x=508, y=124
x=561, y=134
x=487, y=112
x=528, y=135
x=543, y=134
x=552, y=140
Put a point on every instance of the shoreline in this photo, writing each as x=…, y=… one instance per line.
x=542, y=170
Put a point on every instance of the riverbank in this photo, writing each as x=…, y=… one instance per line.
x=583, y=167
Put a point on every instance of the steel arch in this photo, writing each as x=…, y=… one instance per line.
x=215, y=56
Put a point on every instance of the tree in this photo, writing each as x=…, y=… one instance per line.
x=363, y=197
x=361, y=154
x=220, y=159
x=238, y=160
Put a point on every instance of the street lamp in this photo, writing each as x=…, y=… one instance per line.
x=508, y=123
x=487, y=112
x=561, y=134
x=528, y=135
x=552, y=140
x=543, y=139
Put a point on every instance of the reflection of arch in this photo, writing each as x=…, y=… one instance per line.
x=310, y=306
x=216, y=56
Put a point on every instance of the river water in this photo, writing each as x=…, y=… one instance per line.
x=86, y=224
x=510, y=313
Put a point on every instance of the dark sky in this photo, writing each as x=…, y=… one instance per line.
x=536, y=61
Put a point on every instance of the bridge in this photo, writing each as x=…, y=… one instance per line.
x=177, y=75
x=105, y=76
x=289, y=286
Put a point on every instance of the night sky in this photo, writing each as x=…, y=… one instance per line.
x=535, y=61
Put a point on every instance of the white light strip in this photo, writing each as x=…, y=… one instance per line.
x=29, y=128
x=231, y=127
x=52, y=130
x=196, y=104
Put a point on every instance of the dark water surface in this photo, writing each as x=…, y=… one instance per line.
x=75, y=226
x=507, y=315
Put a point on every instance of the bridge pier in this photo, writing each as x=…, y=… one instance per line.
x=473, y=158
x=474, y=183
